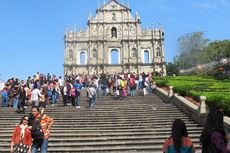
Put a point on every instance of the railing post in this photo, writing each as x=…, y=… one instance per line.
x=203, y=111
x=203, y=107
x=170, y=93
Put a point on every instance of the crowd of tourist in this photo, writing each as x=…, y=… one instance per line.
x=32, y=133
x=42, y=90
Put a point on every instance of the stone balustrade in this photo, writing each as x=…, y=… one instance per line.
x=197, y=113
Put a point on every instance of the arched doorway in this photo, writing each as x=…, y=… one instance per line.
x=114, y=56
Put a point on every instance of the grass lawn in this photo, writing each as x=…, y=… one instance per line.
x=216, y=91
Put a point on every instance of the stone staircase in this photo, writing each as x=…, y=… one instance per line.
x=135, y=124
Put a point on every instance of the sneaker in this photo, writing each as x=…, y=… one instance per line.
x=52, y=105
x=78, y=107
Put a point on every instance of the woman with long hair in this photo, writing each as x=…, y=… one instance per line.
x=213, y=138
x=21, y=140
x=179, y=141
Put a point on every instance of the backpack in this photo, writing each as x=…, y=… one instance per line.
x=78, y=91
x=122, y=83
x=132, y=82
x=68, y=86
x=72, y=92
x=49, y=93
x=36, y=130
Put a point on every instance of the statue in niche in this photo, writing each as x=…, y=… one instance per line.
x=70, y=54
x=114, y=17
x=132, y=30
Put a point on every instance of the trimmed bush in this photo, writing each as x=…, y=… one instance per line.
x=217, y=92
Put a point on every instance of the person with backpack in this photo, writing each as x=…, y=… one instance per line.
x=73, y=95
x=178, y=142
x=121, y=85
x=132, y=85
x=77, y=87
x=40, y=132
x=91, y=92
x=21, y=140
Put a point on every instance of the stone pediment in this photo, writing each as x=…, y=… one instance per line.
x=113, y=5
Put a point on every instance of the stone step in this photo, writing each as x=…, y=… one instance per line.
x=105, y=143
x=119, y=148
x=67, y=130
x=135, y=124
x=109, y=138
x=75, y=133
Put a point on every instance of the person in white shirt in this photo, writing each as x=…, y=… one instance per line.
x=61, y=82
x=35, y=96
x=91, y=91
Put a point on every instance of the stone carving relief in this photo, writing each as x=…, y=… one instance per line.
x=132, y=30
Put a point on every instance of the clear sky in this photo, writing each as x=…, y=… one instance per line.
x=32, y=31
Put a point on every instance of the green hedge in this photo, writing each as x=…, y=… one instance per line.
x=217, y=92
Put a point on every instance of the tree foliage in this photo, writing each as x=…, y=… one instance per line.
x=217, y=50
x=190, y=48
x=194, y=49
x=172, y=69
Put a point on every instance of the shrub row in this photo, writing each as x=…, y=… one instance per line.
x=217, y=92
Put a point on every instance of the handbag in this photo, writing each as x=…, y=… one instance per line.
x=21, y=148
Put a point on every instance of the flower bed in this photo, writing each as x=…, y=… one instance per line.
x=217, y=92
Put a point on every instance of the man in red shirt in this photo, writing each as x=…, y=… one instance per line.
x=46, y=123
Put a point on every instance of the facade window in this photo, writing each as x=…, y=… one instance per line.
x=94, y=53
x=114, y=32
x=158, y=53
x=82, y=58
x=134, y=52
x=146, y=56
x=114, y=56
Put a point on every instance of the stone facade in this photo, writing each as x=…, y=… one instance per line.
x=114, y=42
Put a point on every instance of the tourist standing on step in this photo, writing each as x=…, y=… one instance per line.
x=35, y=96
x=22, y=99
x=121, y=85
x=96, y=81
x=5, y=97
x=132, y=85
x=54, y=91
x=21, y=140
x=66, y=93
x=77, y=87
x=213, y=138
x=73, y=94
x=178, y=142
x=46, y=123
x=91, y=92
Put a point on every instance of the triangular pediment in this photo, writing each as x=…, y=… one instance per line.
x=113, y=5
